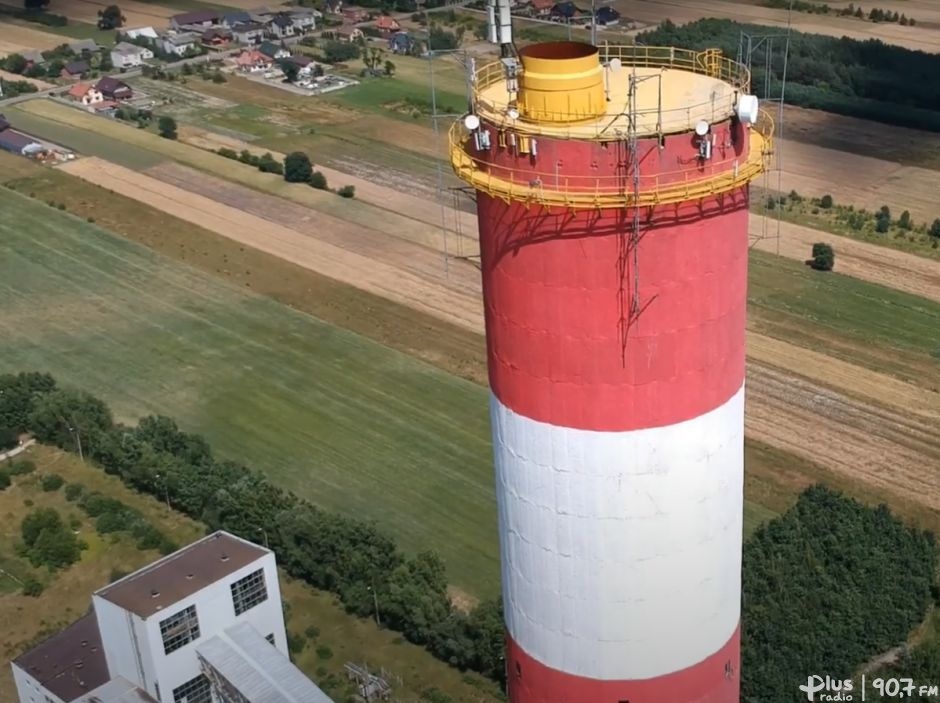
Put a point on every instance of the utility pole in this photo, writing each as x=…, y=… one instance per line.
x=265, y=534
x=166, y=491
x=375, y=600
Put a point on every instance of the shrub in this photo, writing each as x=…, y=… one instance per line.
x=312, y=632
x=268, y=164
x=318, y=180
x=117, y=574
x=882, y=225
x=4, y=480
x=295, y=642
x=824, y=257
x=51, y=482
x=32, y=587
x=435, y=695
x=297, y=167
x=166, y=126
x=115, y=521
x=771, y=203
x=95, y=504
x=48, y=541
x=825, y=201
x=347, y=192
x=74, y=491
x=324, y=652
x=904, y=221
x=22, y=467
x=226, y=152
x=935, y=229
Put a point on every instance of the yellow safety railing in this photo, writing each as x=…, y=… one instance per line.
x=494, y=104
x=589, y=192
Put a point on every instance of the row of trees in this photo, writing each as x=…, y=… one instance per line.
x=867, y=79
x=349, y=557
x=821, y=8
x=826, y=587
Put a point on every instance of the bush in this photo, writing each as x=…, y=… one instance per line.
x=882, y=225
x=48, y=541
x=51, y=482
x=347, y=192
x=117, y=574
x=9, y=438
x=824, y=258
x=268, y=164
x=32, y=587
x=324, y=652
x=935, y=229
x=95, y=504
x=318, y=180
x=295, y=642
x=227, y=153
x=74, y=491
x=435, y=695
x=166, y=126
x=5, y=480
x=825, y=202
x=297, y=167
x=312, y=632
x=115, y=521
x=22, y=467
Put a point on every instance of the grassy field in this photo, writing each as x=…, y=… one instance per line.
x=69, y=593
x=877, y=327
x=352, y=425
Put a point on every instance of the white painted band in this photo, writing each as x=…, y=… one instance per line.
x=621, y=551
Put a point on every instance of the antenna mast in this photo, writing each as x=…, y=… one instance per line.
x=499, y=18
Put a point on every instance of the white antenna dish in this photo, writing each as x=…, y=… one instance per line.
x=701, y=129
x=748, y=108
x=512, y=113
x=471, y=122
x=615, y=64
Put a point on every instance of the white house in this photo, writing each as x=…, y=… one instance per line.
x=305, y=20
x=200, y=625
x=87, y=95
x=179, y=42
x=137, y=32
x=126, y=55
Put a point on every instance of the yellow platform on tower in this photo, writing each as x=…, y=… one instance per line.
x=576, y=91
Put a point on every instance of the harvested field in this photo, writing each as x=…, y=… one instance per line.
x=922, y=38
x=314, y=242
x=40, y=85
x=868, y=262
x=15, y=39
x=851, y=179
x=137, y=13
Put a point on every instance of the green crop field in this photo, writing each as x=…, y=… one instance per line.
x=348, y=423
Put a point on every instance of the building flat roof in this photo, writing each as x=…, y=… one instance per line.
x=118, y=690
x=71, y=663
x=181, y=574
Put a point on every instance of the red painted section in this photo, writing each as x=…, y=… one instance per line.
x=555, y=313
x=714, y=680
x=585, y=165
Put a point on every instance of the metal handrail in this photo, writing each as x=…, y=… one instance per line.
x=590, y=192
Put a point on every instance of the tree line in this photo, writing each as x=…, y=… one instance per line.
x=867, y=79
x=826, y=586
x=349, y=557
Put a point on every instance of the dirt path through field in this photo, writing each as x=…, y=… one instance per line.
x=303, y=248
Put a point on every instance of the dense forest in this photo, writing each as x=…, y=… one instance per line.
x=826, y=585
x=868, y=79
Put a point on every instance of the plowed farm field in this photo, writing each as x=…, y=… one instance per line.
x=15, y=39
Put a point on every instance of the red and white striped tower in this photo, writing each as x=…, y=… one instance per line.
x=612, y=200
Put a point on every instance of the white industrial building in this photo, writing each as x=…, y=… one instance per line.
x=202, y=625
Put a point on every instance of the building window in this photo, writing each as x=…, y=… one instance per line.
x=195, y=690
x=180, y=629
x=270, y=639
x=249, y=591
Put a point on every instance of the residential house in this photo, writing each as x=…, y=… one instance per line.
x=401, y=43
x=542, y=8
x=607, y=16
x=216, y=37
x=281, y=26
x=252, y=33
x=138, y=32
x=273, y=51
x=253, y=61
x=74, y=70
x=84, y=46
x=126, y=55
x=354, y=14
x=348, y=34
x=179, y=43
x=303, y=63
x=305, y=20
x=387, y=25
x=198, y=18
x=86, y=94
x=114, y=89
x=566, y=12
x=203, y=624
x=230, y=19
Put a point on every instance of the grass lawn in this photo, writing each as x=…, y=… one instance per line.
x=82, y=30
x=25, y=620
x=396, y=96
